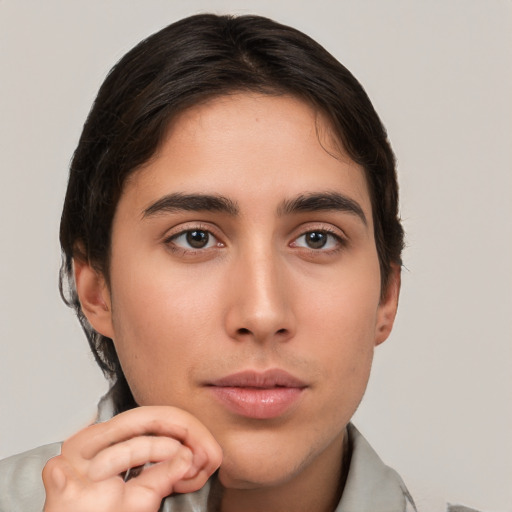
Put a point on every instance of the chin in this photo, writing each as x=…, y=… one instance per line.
x=256, y=461
x=253, y=475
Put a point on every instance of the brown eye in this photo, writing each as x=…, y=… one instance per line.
x=197, y=239
x=315, y=239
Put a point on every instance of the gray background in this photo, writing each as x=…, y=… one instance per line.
x=438, y=407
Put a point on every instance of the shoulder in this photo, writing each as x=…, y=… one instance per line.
x=21, y=486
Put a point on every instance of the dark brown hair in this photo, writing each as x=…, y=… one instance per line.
x=186, y=63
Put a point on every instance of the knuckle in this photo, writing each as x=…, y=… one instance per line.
x=154, y=425
x=55, y=474
x=187, y=454
x=51, y=465
x=183, y=457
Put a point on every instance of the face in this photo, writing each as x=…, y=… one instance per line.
x=245, y=283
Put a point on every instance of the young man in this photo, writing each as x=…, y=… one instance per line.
x=232, y=248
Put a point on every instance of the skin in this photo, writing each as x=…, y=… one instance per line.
x=257, y=296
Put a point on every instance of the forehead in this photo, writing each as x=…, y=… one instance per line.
x=249, y=144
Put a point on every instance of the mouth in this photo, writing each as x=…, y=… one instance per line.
x=258, y=395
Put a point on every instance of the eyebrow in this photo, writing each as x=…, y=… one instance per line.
x=172, y=203
x=325, y=201
x=322, y=202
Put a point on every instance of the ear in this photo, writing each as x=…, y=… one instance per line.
x=388, y=305
x=94, y=297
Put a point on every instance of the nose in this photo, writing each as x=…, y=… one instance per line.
x=260, y=300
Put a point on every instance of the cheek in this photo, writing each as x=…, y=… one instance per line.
x=150, y=294
x=162, y=322
x=343, y=321
x=347, y=354
x=345, y=308
x=346, y=362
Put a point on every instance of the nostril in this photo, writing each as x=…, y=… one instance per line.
x=243, y=332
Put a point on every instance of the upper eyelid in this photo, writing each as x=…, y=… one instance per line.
x=327, y=227
x=327, y=231
x=191, y=226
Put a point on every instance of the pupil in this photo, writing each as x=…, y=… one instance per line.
x=197, y=239
x=316, y=239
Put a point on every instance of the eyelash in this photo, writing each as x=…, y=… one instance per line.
x=339, y=241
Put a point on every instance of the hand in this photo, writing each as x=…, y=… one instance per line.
x=88, y=475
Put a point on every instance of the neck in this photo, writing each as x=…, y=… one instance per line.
x=317, y=488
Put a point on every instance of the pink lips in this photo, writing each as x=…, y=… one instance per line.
x=258, y=395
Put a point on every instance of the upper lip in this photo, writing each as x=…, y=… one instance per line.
x=263, y=380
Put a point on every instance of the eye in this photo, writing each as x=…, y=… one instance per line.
x=317, y=239
x=194, y=239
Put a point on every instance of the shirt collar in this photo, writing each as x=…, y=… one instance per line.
x=371, y=485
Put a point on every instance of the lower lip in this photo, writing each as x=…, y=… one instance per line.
x=257, y=403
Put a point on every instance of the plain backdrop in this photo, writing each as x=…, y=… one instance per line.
x=438, y=407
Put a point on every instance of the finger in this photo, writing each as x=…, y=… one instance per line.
x=156, y=420
x=161, y=478
x=120, y=457
x=84, y=445
x=150, y=420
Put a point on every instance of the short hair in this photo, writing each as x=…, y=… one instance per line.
x=188, y=62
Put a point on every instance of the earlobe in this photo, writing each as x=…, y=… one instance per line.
x=94, y=297
x=388, y=306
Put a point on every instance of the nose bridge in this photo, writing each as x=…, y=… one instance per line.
x=260, y=305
